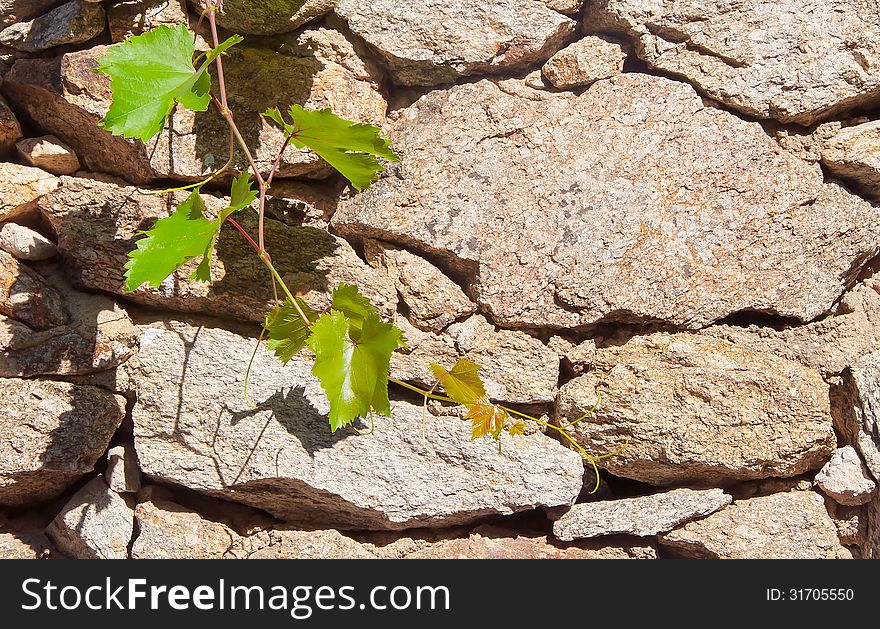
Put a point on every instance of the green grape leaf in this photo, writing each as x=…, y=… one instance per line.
x=353, y=374
x=351, y=148
x=463, y=383
x=177, y=239
x=286, y=329
x=170, y=244
x=150, y=74
x=487, y=419
x=348, y=300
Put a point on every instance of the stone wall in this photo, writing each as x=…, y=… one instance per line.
x=673, y=205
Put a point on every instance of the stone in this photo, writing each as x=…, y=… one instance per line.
x=698, y=410
x=26, y=297
x=50, y=154
x=430, y=45
x=850, y=523
x=433, y=301
x=577, y=357
x=24, y=243
x=99, y=221
x=278, y=454
x=134, y=17
x=792, y=525
x=589, y=187
x=487, y=542
x=854, y=154
x=644, y=516
x=584, y=62
x=13, y=547
x=12, y=11
x=290, y=544
x=261, y=17
x=797, y=61
x=10, y=129
x=515, y=367
x=122, y=473
x=74, y=22
x=569, y=7
x=99, y=336
x=21, y=187
x=96, y=523
x=829, y=345
x=171, y=531
x=23, y=536
x=316, y=68
x=54, y=433
x=303, y=204
x=845, y=479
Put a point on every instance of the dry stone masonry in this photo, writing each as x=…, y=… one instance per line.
x=653, y=223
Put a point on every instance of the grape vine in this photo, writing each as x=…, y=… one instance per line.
x=153, y=73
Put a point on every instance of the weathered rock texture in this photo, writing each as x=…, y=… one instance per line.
x=95, y=524
x=52, y=434
x=133, y=17
x=795, y=61
x=10, y=129
x=26, y=297
x=845, y=479
x=24, y=243
x=74, y=22
x=584, y=62
x=193, y=426
x=565, y=199
x=428, y=43
x=793, y=525
x=700, y=410
x=262, y=17
x=50, y=154
x=170, y=531
x=854, y=154
x=97, y=221
x=282, y=544
x=317, y=68
x=645, y=516
x=12, y=11
x=20, y=187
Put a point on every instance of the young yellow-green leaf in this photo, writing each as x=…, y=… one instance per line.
x=516, y=428
x=286, y=329
x=487, y=419
x=351, y=148
x=170, y=244
x=150, y=74
x=354, y=374
x=177, y=239
x=463, y=383
x=348, y=300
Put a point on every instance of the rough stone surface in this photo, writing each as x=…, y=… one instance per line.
x=170, y=531
x=122, y=473
x=12, y=11
x=98, y=336
x=701, y=411
x=96, y=523
x=24, y=243
x=133, y=17
x=577, y=357
x=98, y=221
x=829, y=345
x=281, y=544
x=569, y=7
x=795, y=61
x=845, y=479
x=50, y=154
x=20, y=187
x=643, y=517
x=584, y=62
x=433, y=300
x=487, y=542
x=262, y=17
x=74, y=22
x=13, y=547
x=854, y=154
x=52, y=434
x=515, y=367
x=589, y=187
x=10, y=129
x=26, y=297
x=194, y=427
x=316, y=68
x=793, y=525
x=430, y=42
